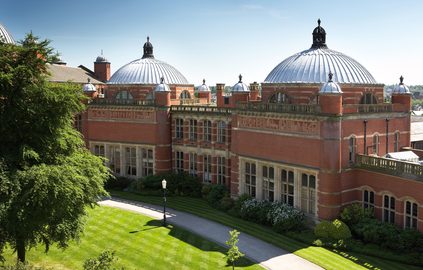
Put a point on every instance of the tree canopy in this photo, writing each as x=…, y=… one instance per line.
x=47, y=176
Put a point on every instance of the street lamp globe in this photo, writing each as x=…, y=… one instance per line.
x=164, y=182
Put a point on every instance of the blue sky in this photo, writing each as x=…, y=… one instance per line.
x=217, y=40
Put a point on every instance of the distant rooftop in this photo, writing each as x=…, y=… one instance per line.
x=61, y=73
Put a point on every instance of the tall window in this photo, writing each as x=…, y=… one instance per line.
x=287, y=192
x=193, y=164
x=147, y=162
x=207, y=169
x=368, y=199
x=308, y=193
x=250, y=179
x=388, y=209
x=179, y=161
x=99, y=150
x=131, y=161
x=375, y=144
x=179, y=128
x=221, y=132
x=207, y=130
x=193, y=129
x=396, y=141
x=78, y=122
x=114, y=160
x=221, y=170
x=268, y=183
x=124, y=95
x=368, y=98
x=184, y=95
x=351, y=148
x=410, y=215
x=279, y=98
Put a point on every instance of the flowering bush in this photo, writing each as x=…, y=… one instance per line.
x=256, y=211
x=280, y=216
x=284, y=217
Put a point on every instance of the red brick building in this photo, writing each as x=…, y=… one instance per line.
x=314, y=134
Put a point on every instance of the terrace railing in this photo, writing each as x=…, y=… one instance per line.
x=367, y=108
x=390, y=166
x=200, y=109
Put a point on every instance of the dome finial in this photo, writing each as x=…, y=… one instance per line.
x=240, y=78
x=401, y=80
x=88, y=80
x=204, y=81
x=162, y=80
x=330, y=76
x=319, y=37
x=148, y=49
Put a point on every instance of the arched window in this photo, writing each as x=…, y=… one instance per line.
x=375, y=145
x=396, y=141
x=279, y=98
x=388, y=209
x=368, y=98
x=351, y=149
x=410, y=215
x=185, y=95
x=368, y=199
x=124, y=95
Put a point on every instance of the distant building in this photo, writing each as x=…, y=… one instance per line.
x=314, y=137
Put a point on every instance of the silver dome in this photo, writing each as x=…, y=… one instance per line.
x=147, y=71
x=100, y=59
x=313, y=66
x=5, y=36
x=162, y=87
x=89, y=87
x=330, y=87
x=240, y=86
x=204, y=87
x=401, y=88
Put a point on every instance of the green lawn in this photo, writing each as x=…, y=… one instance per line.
x=325, y=258
x=140, y=243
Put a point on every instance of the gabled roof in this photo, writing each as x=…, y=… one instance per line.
x=61, y=73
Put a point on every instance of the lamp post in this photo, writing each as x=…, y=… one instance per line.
x=164, y=199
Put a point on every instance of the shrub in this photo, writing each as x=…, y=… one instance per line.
x=322, y=230
x=119, y=182
x=284, y=217
x=104, y=261
x=354, y=213
x=256, y=211
x=205, y=190
x=177, y=184
x=236, y=209
x=340, y=230
x=216, y=193
x=226, y=203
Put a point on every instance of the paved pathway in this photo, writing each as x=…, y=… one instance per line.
x=267, y=255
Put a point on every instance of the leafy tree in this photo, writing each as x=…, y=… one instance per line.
x=47, y=176
x=233, y=253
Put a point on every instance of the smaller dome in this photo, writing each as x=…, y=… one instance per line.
x=330, y=87
x=89, y=87
x=401, y=88
x=162, y=87
x=101, y=58
x=240, y=86
x=203, y=87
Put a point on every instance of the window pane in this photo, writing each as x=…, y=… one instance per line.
x=312, y=181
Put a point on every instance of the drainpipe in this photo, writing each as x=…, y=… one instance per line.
x=387, y=137
x=365, y=137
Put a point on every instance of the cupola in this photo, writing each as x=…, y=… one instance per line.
x=162, y=87
x=203, y=87
x=240, y=86
x=330, y=87
x=401, y=88
x=89, y=87
x=148, y=49
x=319, y=37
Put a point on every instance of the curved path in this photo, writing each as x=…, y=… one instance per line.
x=269, y=256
